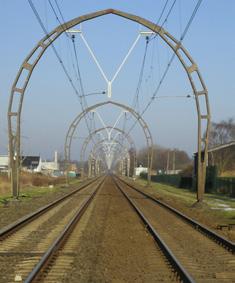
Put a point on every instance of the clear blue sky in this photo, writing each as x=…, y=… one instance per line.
x=50, y=104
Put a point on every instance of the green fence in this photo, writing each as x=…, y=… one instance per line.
x=214, y=184
x=175, y=180
x=225, y=186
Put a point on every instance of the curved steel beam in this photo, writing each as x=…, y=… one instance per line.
x=26, y=69
x=97, y=145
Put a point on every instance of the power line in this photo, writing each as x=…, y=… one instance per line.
x=53, y=47
x=84, y=104
x=136, y=97
x=58, y=7
x=166, y=18
x=77, y=72
x=135, y=103
x=163, y=10
x=169, y=63
x=53, y=9
x=81, y=97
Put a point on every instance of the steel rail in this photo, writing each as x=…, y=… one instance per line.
x=59, y=242
x=175, y=263
x=13, y=227
x=220, y=240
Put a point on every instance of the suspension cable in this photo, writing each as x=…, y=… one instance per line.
x=135, y=103
x=77, y=72
x=166, y=18
x=84, y=104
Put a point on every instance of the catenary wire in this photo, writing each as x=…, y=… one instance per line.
x=59, y=59
x=168, y=65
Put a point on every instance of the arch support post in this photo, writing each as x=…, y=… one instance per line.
x=82, y=171
x=97, y=167
x=15, y=179
x=201, y=175
x=128, y=167
x=200, y=183
x=14, y=156
x=94, y=168
x=67, y=169
x=123, y=167
x=149, y=177
x=89, y=167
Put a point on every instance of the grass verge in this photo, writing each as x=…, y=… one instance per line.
x=32, y=186
x=219, y=207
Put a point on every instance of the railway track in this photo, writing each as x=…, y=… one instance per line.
x=25, y=241
x=175, y=263
x=229, y=245
x=100, y=239
x=15, y=226
x=205, y=255
x=58, y=258
x=52, y=256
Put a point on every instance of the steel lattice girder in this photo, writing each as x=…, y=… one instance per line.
x=125, y=135
x=96, y=152
x=100, y=143
x=198, y=87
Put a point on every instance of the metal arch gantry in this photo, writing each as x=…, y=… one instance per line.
x=123, y=153
x=89, y=138
x=94, y=166
x=142, y=123
x=122, y=150
x=26, y=69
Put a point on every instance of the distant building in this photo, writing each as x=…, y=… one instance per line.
x=173, y=172
x=48, y=167
x=4, y=163
x=73, y=167
x=29, y=163
x=140, y=169
x=33, y=164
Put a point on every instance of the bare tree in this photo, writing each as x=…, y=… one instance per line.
x=223, y=133
x=164, y=158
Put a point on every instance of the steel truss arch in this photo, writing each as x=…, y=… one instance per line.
x=142, y=123
x=123, y=150
x=26, y=69
x=100, y=144
x=89, y=138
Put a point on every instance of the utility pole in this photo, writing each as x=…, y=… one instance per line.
x=8, y=157
x=173, y=161
x=167, y=162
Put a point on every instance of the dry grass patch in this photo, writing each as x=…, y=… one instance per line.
x=29, y=180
